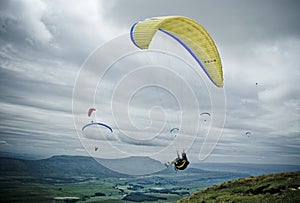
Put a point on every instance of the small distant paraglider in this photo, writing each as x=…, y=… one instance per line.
x=204, y=113
x=174, y=131
x=90, y=111
x=93, y=123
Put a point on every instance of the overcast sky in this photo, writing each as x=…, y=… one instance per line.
x=45, y=43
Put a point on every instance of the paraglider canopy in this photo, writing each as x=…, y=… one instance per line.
x=90, y=111
x=191, y=35
x=97, y=123
x=174, y=130
x=203, y=113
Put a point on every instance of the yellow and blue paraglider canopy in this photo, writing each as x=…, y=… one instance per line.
x=190, y=34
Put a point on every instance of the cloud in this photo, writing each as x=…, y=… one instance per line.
x=57, y=29
x=44, y=43
x=2, y=142
x=24, y=18
x=231, y=22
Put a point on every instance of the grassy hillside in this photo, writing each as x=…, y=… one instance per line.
x=280, y=187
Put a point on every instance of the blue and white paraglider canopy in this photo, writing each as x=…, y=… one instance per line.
x=97, y=123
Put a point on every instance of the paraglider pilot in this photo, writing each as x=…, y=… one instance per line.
x=180, y=163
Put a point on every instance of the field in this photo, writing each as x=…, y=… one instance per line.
x=168, y=186
x=28, y=189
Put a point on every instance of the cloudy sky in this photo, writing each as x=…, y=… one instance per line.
x=44, y=45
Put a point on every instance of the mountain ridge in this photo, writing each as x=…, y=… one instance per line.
x=106, y=167
x=55, y=167
x=248, y=168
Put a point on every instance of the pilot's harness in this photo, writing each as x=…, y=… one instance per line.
x=181, y=164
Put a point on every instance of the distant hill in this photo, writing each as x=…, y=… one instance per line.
x=56, y=167
x=135, y=165
x=80, y=168
x=21, y=156
x=248, y=168
x=70, y=166
x=280, y=187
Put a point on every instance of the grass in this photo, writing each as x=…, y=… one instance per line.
x=20, y=191
x=281, y=187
